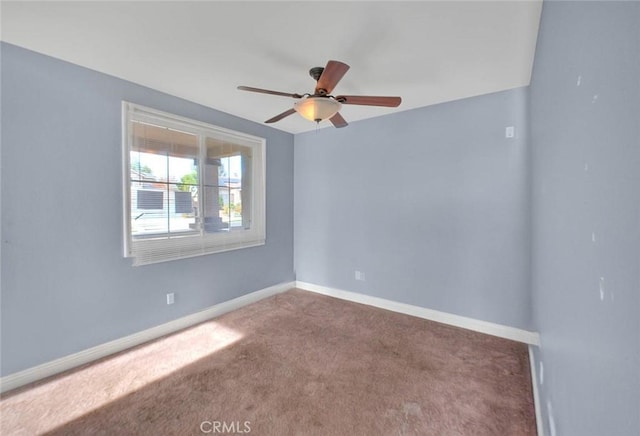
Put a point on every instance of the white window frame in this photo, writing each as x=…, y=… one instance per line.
x=166, y=248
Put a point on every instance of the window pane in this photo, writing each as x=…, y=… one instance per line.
x=212, y=208
x=182, y=213
x=232, y=176
x=148, y=167
x=183, y=172
x=235, y=208
x=148, y=209
x=183, y=178
x=235, y=169
x=164, y=181
x=225, y=210
x=223, y=171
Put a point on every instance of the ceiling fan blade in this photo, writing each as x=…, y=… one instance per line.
x=367, y=100
x=267, y=91
x=338, y=121
x=331, y=75
x=281, y=116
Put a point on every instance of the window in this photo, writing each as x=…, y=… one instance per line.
x=190, y=188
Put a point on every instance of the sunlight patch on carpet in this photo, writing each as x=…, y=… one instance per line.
x=98, y=384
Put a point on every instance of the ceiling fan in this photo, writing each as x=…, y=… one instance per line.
x=321, y=105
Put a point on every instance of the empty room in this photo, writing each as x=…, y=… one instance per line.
x=320, y=218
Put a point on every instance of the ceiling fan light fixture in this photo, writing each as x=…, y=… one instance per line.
x=320, y=105
x=317, y=108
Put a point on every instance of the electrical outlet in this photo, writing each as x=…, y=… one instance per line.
x=360, y=276
x=170, y=298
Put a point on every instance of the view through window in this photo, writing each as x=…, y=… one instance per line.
x=192, y=188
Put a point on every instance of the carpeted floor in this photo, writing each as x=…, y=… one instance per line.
x=295, y=364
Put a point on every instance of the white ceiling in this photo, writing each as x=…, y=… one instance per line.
x=427, y=52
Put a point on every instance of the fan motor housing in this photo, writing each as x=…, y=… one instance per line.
x=316, y=72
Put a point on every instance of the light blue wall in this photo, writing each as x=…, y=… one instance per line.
x=431, y=204
x=434, y=205
x=65, y=284
x=585, y=107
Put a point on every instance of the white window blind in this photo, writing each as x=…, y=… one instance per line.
x=190, y=188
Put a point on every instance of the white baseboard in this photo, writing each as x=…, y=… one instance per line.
x=515, y=334
x=536, y=395
x=53, y=367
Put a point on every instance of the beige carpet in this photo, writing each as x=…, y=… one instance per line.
x=294, y=364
